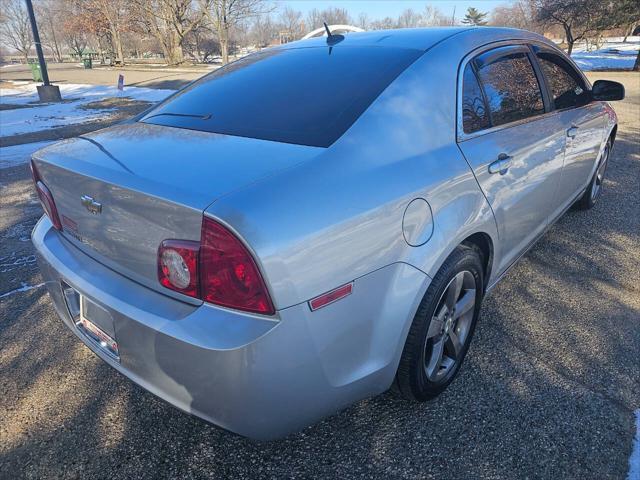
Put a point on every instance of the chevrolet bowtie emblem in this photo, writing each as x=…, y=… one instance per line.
x=91, y=205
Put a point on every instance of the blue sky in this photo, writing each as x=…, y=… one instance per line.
x=392, y=8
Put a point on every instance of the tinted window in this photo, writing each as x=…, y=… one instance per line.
x=308, y=96
x=511, y=87
x=566, y=86
x=474, y=114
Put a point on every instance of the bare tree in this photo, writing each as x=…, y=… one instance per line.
x=331, y=15
x=433, y=17
x=291, y=21
x=224, y=15
x=15, y=29
x=48, y=14
x=519, y=14
x=170, y=21
x=623, y=14
x=384, y=24
x=578, y=18
x=201, y=44
x=75, y=34
x=117, y=20
x=409, y=18
x=263, y=30
x=363, y=21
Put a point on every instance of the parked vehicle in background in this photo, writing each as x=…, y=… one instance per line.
x=315, y=222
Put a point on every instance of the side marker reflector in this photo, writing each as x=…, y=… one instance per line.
x=330, y=297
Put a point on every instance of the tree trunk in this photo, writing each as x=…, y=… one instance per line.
x=570, y=46
x=224, y=44
x=629, y=31
x=177, y=55
x=56, y=48
x=570, y=39
x=196, y=36
x=117, y=45
x=636, y=65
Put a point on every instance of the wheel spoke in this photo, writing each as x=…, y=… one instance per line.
x=433, y=367
x=453, y=293
x=466, y=303
x=453, y=346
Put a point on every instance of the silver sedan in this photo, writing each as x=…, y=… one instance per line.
x=317, y=222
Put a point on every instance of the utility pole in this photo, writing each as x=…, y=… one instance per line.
x=46, y=92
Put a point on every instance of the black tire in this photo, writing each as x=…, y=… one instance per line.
x=412, y=379
x=594, y=190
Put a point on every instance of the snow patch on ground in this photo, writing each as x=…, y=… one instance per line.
x=22, y=93
x=612, y=55
x=24, y=288
x=45, y=116
x=634, y=459
x=11, y=156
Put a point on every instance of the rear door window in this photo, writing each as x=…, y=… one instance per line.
x=307, y=96
x=566, y=85
x=474, y=113
x=510, y=85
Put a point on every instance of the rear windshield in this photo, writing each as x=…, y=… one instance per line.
x=307, y=96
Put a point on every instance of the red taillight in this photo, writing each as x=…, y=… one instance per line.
x=178, y=266
x=228, y=274
x=46, y=199
x=219, y=269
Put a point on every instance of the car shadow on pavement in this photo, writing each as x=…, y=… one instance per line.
x=547, y=390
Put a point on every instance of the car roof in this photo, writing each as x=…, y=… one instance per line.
x=414, y=38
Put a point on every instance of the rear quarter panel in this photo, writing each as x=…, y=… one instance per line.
x=331, y=220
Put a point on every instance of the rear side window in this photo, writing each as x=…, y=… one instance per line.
x=567, y=87
x=474, y=114
x=307, y=96
x=510, y=85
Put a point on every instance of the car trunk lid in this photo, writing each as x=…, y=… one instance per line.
x=120, y=192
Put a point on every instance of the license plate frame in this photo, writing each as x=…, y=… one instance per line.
x=93, y=330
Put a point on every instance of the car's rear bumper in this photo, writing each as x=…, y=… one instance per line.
x=260, y=377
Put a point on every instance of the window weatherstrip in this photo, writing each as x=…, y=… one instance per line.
x=547, y=97
x=474, y=69
x=461, y=136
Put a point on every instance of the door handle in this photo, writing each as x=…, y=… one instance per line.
x=501, y=165
x=572, y=132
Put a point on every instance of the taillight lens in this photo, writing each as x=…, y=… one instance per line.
x=46, y=199
x=219, y=269
x=178, y=266
x=228, y=274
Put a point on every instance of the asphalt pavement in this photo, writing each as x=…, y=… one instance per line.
x=548, y=390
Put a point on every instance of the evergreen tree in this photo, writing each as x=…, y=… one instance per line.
x=474, y=17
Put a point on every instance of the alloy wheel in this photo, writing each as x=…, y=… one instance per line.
x=599, y=178
x=450, y=326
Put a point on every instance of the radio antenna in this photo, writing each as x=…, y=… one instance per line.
x=326, y=27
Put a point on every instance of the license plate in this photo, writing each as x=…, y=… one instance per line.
x=93, y=321
x=99, y=337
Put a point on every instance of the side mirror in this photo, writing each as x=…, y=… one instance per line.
x=607, y=91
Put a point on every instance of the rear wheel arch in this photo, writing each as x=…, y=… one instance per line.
x=410, y=380
x=483, y=242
